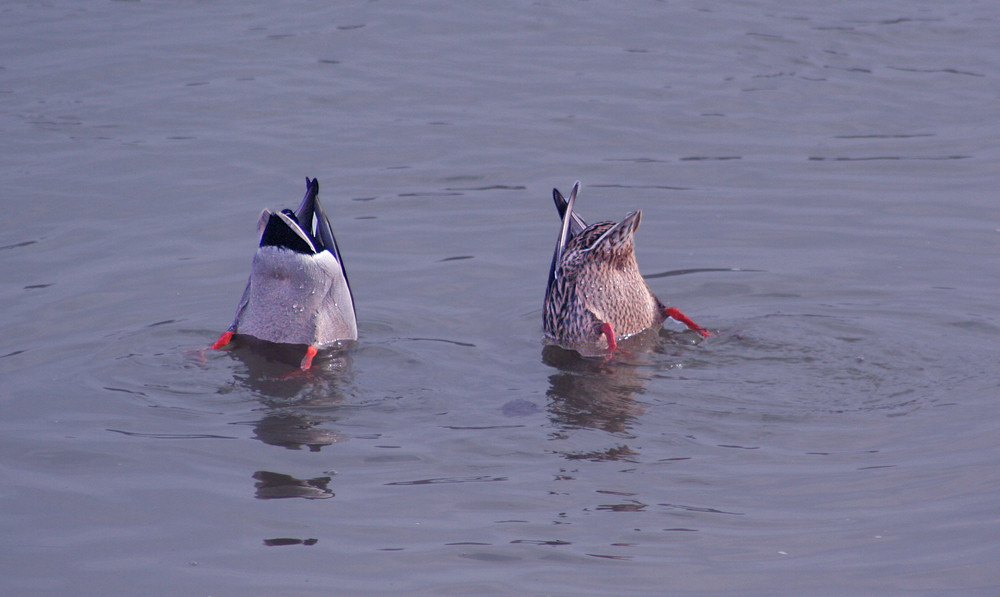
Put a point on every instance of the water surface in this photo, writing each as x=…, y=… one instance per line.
x=818, y=185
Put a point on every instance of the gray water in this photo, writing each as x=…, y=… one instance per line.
x=818, y=183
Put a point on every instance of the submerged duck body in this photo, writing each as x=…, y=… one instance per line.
x=298, y=291
x=596, y=296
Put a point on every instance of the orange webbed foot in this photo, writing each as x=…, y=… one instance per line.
x=308, y=359
x=224, y=339
x=675, y=313
x=609, y=331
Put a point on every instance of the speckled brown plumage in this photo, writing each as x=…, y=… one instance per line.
x=596, y=295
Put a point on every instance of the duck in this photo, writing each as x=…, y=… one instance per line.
x=595, y=296
x=298, y=292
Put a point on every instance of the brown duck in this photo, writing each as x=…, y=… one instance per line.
x=596, y=296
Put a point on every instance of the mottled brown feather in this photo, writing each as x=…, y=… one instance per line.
x=597, y=281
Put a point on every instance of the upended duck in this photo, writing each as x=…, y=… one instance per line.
x=298, y=291
x=596, y=296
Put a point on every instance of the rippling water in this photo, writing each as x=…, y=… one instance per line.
x=818, y=185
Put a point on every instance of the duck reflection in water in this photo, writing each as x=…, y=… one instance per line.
x=299, y=409
x=272, y=486
x=296, y=430
x=596, y=393
x=299, y=406
x=602, y=393
x=271, y=372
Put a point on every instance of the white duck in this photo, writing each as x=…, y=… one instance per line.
x=298, y=291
